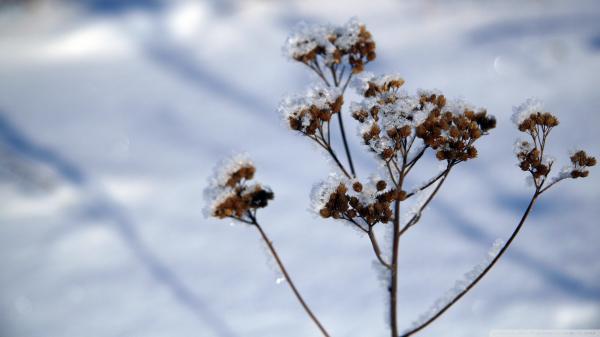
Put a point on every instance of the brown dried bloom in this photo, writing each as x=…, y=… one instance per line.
x=310, y=113
x=389, y=117
x=530, y=119
x=327, y=46
x=451, y=128
x=362, y=204
x=580, y=161
x=229, y=193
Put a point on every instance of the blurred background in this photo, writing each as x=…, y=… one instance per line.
x=113, y=113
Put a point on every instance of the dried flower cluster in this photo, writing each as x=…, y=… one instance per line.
x=389, y=117
x=310, y=113
x=531, y=119
x=580, y=163
x=349, y=199
x=399, y=129
x=229, y=193
x=328, y=45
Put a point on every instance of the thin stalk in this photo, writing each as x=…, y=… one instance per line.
x=482, y=274
x=377, y=250
x=417, y=215
x=346, y=83
x=348, y=155
x=394, y=270
x=429, y=183
x=288, y=278
x=329, y=150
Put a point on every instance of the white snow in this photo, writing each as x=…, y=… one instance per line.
x=125, y=251
x=524, y=110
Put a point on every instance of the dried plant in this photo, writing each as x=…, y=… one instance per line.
x=399, y=129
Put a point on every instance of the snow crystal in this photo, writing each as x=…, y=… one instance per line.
x=460, y=285
x=526, y=109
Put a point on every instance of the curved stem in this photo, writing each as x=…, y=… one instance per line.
x=377, y=250
x=482, y=274
x=288, y=278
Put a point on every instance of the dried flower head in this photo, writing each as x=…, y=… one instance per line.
x=530, y=159
x=452, y=127
x=309, y=112
x=328, y=45
x=530, y=119
x=388, y=116
x=230, y=195
x=529, y=116
x=362, y=204
x=580, y=161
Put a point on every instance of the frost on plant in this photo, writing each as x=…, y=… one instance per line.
x=331, y=45
x=230, y=193
x=398, y=129
x=460, y=285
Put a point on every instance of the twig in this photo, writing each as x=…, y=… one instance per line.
x=482, y=274
x=377, y=250
x=287, y=276
x=430, y=182
x=417, y=215
x=348, y=155
x=394, y=269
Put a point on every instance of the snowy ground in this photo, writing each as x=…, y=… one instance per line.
x=112, y=116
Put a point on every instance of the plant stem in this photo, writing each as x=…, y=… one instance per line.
x=394, y=270
x=417, y=215
x=430, y=182
x=348, y=155
x=288, y=278
x=376, y=249
x=482, y=274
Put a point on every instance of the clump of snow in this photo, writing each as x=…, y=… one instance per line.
x=458, y=106
x=362, y=82
x=460, y=285
x=522, y=146
x=526, y=109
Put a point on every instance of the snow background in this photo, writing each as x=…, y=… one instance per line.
x=113, y=114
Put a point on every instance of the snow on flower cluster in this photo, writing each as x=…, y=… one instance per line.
x=316, y=104
x=308, y=37
x=321, y=191
x=388, y=116
x=460, y=285
x=526, y=109
x=229, y=193
x=217, y=189
x=328, y=45
x=366, y=204
x=385, y=107
x=580, y=163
